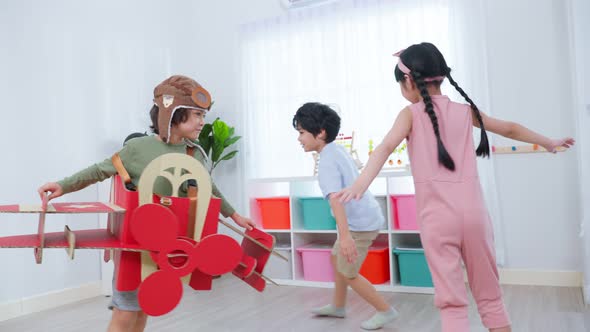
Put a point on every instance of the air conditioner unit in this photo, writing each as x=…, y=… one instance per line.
x=296, y=4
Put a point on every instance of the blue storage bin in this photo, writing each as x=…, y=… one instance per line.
x=413, y=269
x=316, y=214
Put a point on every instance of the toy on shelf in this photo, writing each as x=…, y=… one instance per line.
x=398, y=158
x=316, y=162
x=157, y=242
x=345, y=141
x=522, y=149
x=348, y=143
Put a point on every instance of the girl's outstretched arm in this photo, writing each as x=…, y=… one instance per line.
x=519, y=132
x=400, y=130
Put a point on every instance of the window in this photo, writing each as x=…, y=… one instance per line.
x=337, y=54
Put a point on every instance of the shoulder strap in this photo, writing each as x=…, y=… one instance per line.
x=190, y=150
x=118, y=164
x=192, y=192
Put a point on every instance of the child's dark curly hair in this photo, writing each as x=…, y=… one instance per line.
x=313, y=117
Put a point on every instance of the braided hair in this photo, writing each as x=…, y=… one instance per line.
x=425, y=61
x=484, y=146
x=443, y=155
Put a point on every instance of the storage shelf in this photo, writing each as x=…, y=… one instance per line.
x=387, y=287
x=333, y=231
x=387, y=184
x=404, y=231
x=411, y=289
x=398, y=172
x=287, y=231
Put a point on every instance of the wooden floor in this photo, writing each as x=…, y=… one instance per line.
x=232, y=306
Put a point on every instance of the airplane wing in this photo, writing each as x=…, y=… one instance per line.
x=77, y=207
x=67, y=239
x=85, y=239
x=70, y=240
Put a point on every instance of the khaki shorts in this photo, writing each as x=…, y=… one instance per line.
x=362, y=241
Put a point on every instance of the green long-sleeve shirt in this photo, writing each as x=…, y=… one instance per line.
x=136, y=155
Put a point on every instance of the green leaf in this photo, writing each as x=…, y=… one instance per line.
x=206, y=131
x=217, y=150
x=231, y=140
x=214, y=138
x=209, y=141
x=220, y=131
x=204, y=136
x=228, y=156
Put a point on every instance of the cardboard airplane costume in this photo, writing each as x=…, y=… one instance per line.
x=147, y=236
x=158, y=242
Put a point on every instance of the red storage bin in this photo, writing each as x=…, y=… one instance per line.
x=376, y=266
x=403, y=209
x=274, y=212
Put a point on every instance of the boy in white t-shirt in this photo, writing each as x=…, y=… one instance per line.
x=358, y=222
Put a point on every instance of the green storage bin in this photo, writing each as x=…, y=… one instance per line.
x=316, y=214
x=413, y=269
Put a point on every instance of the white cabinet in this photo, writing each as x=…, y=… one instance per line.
x=292, y=189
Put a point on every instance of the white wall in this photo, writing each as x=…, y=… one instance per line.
x=75, y=79
x=219, y=64
x=580, y=11
x=531, y=83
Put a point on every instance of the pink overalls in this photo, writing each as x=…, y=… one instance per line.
x=454, y=222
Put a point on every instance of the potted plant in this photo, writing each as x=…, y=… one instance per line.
x=215, y=138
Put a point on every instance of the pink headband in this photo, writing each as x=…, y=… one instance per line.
x=407, y=70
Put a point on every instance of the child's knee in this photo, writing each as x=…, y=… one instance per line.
x=351, y=279
x=124, y=319
x=348, y=270
x=349, y=274
x=142, y=317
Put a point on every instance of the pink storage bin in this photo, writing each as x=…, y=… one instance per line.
x=403, y=209
x=316, y=263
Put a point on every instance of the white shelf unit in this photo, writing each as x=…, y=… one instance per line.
x=387, y=183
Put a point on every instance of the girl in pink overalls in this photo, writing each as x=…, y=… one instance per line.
x=454, y=223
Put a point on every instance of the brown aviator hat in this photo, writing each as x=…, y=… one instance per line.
x=176, y=92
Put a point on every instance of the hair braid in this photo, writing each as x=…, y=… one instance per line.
x=443, y=155
x=484, y=146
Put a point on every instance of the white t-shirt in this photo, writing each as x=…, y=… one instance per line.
x=337, y=171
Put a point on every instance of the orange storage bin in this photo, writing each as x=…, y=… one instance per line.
x=376, y=266
x=274, y=212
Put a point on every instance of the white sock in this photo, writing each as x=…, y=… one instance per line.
x=380, y=319
x=330, y=311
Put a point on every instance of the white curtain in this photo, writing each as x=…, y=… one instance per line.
x=337, y=54
x=342, y=54
x=468, y=58
x=579, y=29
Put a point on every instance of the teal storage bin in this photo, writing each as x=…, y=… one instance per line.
x=316, y=214
x=413, y=269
